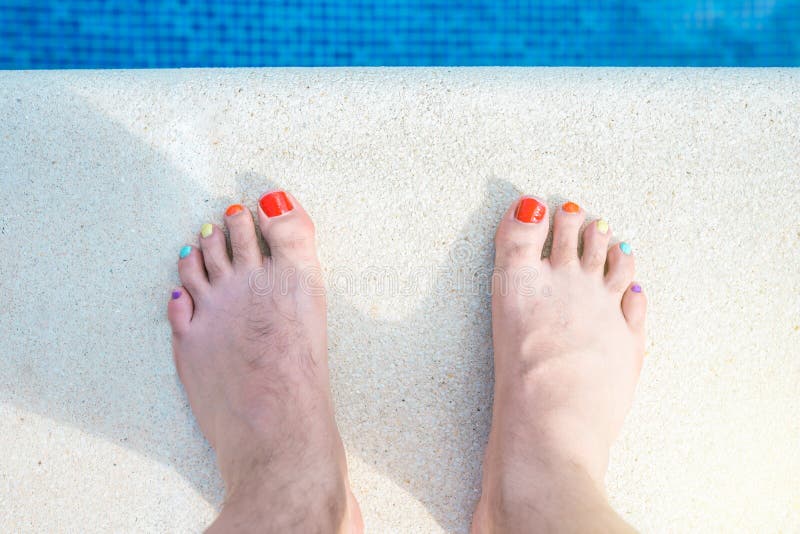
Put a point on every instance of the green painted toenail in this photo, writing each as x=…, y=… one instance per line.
x=185, y=251
x=625, y=248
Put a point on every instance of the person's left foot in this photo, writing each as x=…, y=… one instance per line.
x=250, y=346
x=569, y=335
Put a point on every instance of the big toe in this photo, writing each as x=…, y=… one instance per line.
x=287, y=230
x=521, y=234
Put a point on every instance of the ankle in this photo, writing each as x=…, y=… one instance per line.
x=293, y=505
x=561, y=441
x=553, y=495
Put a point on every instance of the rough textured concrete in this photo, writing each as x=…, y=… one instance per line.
x=104, y=176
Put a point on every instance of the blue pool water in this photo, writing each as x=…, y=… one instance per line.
x=193, y=33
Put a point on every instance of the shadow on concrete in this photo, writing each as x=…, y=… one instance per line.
x=94, y=252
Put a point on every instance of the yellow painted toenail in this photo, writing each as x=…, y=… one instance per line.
x=602, y=226
x=206, y=230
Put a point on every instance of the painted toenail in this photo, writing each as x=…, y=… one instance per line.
x=206, y=230
x=233, y=209
x=275, y=203
x=176, y=294
x=185, y=251
x=530, y=210
x=625, y=248
x=571, y=207
x=636, y=288
x=602, y=226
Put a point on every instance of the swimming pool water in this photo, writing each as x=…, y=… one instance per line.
x=191, y=33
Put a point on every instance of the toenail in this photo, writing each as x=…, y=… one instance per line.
x=176, y=294
x=185, y=251
x=530, y=210
x=602, y=226
x=636, y=288
x=233, y=209
x=571, y=207
x=206, y=230
x=625, y=248
x=275, y=203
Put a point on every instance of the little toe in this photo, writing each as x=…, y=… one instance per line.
x=521, y=234
x=215, y=253
x=621, y=267
x=287, y=229
x=192, y=272
x=634, y=306
x=244, y=243
x=566, y=226
x=595, y=246
x=180, y=310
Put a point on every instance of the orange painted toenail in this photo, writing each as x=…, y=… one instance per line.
x=571, y=207
x=275, y=203
x=530, y=210
x=233, y=209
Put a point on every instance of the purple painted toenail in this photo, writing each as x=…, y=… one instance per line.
x=636, y=288
x=176, y=294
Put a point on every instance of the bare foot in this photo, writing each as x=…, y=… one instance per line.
x=250, y=346
x=568, y=346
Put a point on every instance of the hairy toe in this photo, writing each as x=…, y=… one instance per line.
x=244, y=242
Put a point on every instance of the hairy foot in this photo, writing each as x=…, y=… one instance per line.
x=568, y=346
x=250, y=346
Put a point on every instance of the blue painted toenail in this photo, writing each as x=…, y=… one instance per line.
x=625, y=248
x=185, y=251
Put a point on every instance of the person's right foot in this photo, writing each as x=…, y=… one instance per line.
x=568, y=346
x=250, y=345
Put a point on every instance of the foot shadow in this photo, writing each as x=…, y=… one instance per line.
x=427, y=413
x=94, y=253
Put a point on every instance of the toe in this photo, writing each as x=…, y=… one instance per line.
x=566, y=226
x=244, y=243
x=634, y=306
x=287, y=229
x=215, y=253
x=521, y=234
x=621, y=267
x=595, y=245
x=180, y=310
x=192, y=272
